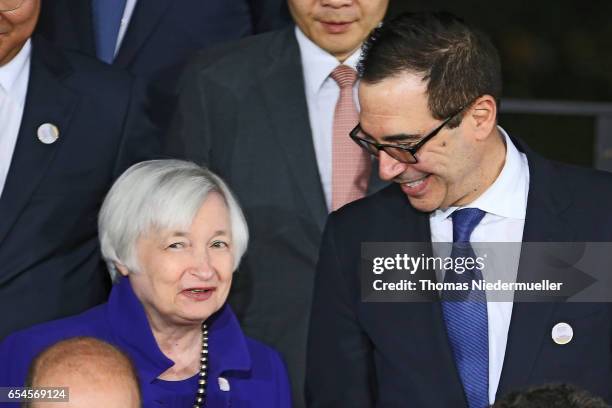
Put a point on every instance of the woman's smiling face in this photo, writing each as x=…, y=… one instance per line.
x=185, y=275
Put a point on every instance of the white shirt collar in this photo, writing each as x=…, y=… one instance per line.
x=11, y=71
x=317, y=63
x=507, y=196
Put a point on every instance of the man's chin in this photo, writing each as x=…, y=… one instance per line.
x=423, y=204
x=425, y=197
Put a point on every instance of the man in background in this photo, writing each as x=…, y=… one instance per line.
x=69, y=126
x=95, y=373
x=271, y=114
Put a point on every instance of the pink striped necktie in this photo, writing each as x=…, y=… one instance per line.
x=351, y=165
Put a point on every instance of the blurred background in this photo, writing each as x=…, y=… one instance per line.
x=557, y=67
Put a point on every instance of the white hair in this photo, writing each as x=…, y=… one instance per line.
x=160, y=194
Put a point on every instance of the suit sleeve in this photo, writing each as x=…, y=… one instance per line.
x=141, y=137
x=339, y=362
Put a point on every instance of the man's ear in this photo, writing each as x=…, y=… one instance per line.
x=483, y=116
x=123, y=270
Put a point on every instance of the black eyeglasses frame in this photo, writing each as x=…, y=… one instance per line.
x=391, y=149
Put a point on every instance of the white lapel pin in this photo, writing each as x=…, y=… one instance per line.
x=224, y=385
x=562, y=333
x=48, y=133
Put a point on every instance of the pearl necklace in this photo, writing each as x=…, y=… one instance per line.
x=203, y=373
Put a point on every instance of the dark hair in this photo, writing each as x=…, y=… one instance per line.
x=459, y=63
x=551, y=396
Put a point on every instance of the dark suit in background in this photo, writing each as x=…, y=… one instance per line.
x=163, y=34
x=50, y=264
x=243, y=113
x=397, y=354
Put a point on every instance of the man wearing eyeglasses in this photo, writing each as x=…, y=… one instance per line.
x=429, y=95
x=68, y=126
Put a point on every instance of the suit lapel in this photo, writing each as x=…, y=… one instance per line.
x=282, y=87
x=420, y=325
x=145, y=18
x=529, y=327
x=83, y=24
x=47, y=101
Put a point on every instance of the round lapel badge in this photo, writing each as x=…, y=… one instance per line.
x=48, y=133
x=562, y=333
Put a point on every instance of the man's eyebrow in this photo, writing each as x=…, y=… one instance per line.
x=401, y=137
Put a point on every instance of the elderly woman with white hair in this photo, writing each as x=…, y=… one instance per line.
x=172, y=235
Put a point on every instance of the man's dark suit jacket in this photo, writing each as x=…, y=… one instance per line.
x=397, y=354
x=243, y=113
x=163, y=34
x=50, y=264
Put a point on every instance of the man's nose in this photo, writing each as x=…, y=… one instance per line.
x=388, y=167
x=336, y=3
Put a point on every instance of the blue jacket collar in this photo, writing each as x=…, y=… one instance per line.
x=129, y=324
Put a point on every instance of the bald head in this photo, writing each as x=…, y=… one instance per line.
x=96, y=373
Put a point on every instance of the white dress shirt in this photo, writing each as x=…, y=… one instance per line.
x=125, y=22
x=322, y=94
x=505, y=205
x=14, y=77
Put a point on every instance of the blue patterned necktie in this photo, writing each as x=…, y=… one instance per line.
x=107, y=16
x=465, y=315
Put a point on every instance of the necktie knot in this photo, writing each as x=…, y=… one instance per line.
x=464, y=222
x=344, y=76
